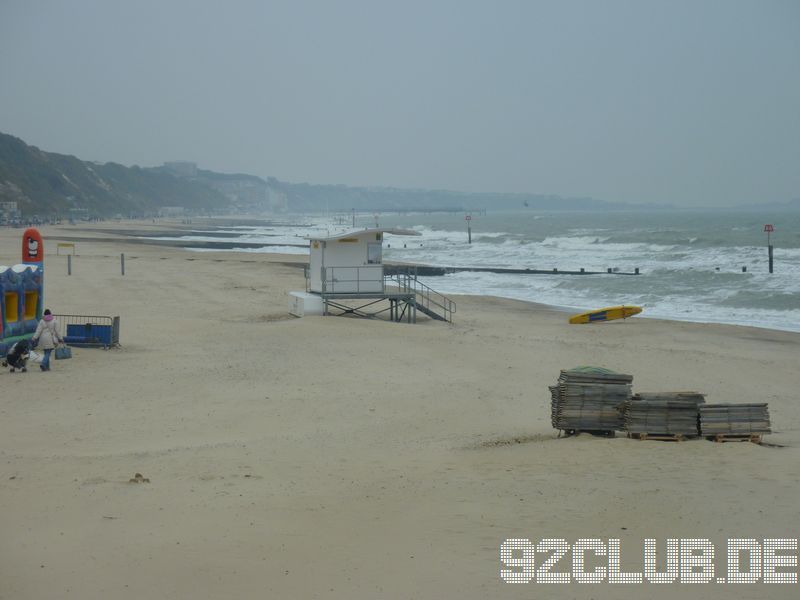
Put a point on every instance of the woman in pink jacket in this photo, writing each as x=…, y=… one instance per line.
x=48, y=337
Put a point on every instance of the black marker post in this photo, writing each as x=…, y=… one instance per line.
x=768, y=229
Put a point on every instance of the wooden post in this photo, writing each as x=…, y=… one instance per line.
x=468, y=219
x=770, y=258
x=122, y=263
x=69, y=264
x=768, y=229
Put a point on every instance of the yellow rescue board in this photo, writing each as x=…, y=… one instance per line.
x=606, y=314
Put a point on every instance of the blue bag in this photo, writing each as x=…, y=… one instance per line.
x=63, y=352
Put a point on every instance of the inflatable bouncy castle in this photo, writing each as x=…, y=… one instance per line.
x=22, y=292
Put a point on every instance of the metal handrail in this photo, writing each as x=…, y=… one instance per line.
x=427, y=296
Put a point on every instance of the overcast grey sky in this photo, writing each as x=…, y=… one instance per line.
x=686, y=102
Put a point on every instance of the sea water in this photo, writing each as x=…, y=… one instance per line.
x=690, y=262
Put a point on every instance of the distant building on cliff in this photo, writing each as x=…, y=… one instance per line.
x=9, y=210
x=171, y=211
x=181, y=168
x=246, y=193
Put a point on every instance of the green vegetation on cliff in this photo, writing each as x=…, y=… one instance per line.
x=47, y=183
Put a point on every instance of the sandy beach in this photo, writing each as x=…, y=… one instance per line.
x=333, y=457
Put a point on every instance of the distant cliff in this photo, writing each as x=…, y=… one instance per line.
x=47, y=183
x=311, y=197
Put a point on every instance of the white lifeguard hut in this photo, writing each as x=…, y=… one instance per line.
x=349, y=266
x=349, y=263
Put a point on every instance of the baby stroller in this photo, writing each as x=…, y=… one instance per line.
x=17, y=356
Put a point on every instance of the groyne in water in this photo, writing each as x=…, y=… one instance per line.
x=389, y=268
x=429, y=271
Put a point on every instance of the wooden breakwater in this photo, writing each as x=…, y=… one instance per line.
x=428, y=271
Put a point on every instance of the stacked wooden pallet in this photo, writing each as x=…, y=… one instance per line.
x=663, y=414
x=734, y=420
x=589, y=399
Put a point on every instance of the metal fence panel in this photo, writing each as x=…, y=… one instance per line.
x=90, y=330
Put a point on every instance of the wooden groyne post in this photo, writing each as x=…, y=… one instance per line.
x=768, y=229
x=430, y=271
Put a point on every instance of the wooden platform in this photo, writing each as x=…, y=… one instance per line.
x=733, y=437
x=662, y=437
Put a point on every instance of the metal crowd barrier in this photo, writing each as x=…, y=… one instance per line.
x=89, y=330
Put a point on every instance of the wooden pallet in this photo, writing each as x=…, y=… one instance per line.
x=595, y=432
x=664, y=437
x=736, y=437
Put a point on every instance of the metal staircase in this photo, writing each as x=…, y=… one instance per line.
x=429, y=301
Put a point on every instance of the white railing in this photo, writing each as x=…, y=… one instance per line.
x=353, y=280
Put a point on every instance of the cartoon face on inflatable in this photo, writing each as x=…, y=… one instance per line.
x=33, y=248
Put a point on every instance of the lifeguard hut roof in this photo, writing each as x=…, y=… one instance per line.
x=359, y=232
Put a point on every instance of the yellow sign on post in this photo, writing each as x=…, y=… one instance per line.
x=66, y=246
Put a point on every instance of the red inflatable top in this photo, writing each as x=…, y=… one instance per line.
x=32, y=246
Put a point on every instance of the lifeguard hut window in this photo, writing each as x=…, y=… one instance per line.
x=374, y=253
x=12, y=307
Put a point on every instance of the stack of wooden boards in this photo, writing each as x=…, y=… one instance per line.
x=663, y=414
x=589, y=399
x=600, y=401
x=734, y=419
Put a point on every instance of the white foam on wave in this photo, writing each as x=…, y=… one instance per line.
x=683, y=277
x=247, y=238
x=549, y=289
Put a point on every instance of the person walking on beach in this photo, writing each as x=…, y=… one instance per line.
x=47, y=336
